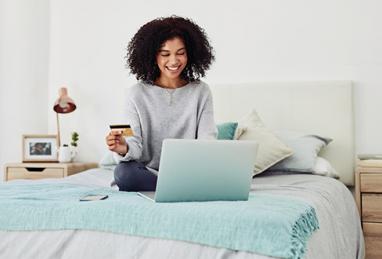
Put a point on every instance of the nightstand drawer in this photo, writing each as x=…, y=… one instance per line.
x=372, y=207
x=373, y=240
x=371, y=182
x=33, y=173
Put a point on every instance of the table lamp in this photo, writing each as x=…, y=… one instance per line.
x=64, y=104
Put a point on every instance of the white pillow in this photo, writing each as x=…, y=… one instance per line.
x=305, y=152
x=271, y=149
x=108, y=160
x=239, y=132
x=324, y=168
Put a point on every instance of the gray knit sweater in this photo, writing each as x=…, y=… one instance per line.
x=157, y=113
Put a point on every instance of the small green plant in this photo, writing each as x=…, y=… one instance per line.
x=74, y=139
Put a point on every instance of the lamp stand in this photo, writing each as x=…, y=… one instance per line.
x=58, y=131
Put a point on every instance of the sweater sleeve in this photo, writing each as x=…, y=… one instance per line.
x=206, y=126
x=134, y=142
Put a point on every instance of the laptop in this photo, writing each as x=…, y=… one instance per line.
x=204, y=170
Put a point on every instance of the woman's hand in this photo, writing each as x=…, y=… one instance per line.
x=116, y=143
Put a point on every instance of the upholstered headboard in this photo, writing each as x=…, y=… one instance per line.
x=321, y=107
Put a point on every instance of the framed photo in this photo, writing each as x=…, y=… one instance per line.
x=40, y=148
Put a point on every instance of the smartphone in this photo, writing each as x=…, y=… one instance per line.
x=93, y=197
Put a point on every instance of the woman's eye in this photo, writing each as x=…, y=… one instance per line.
x=181, y=53
x=165, y=55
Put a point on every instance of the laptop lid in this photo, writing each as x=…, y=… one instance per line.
x=205, y=170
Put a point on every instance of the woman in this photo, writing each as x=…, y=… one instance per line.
x=167, y=56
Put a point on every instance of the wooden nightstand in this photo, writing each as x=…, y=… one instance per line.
x=44, y=170
x=368, y=193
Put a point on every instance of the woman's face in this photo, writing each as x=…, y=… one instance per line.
x=172, y=58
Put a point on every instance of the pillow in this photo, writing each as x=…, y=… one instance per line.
x=108, y=161
x=271, y=149
x=305, y=149
x=239, y=132
x=324, y=168
x=227, y=130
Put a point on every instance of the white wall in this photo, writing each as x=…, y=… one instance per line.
x=253, y=40
x=24, y=42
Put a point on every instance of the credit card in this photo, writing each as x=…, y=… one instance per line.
x=125, y=129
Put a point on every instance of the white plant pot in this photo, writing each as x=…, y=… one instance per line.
x=66, y=154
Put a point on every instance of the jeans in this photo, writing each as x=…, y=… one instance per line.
x=132, y=176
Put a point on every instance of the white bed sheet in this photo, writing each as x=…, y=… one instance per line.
x=340, y=234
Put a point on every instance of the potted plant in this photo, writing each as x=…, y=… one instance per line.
x=74, y=139
x=73, y=143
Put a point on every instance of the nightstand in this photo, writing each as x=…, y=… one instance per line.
x=368, y=194
x=44, y=170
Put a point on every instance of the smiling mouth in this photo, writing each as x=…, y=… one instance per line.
x=173, y=69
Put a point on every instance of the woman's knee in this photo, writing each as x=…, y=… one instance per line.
x=124, y=173
x=134, y=176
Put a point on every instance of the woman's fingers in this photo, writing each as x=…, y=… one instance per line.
x=115, y=133
x=113, y=140
x=113, y=137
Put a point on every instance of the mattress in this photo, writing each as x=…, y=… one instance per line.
x=340, y=234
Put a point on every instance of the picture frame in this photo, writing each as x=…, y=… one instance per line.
x=40, y=148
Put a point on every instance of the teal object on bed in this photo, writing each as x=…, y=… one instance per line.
x=265, y=224
x=227, y=130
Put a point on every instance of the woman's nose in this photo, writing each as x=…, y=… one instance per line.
x=173, y=60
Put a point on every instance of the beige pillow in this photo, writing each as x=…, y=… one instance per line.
x=271, y=149
x=239, y=132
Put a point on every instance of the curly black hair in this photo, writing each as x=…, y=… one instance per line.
x=144, y=46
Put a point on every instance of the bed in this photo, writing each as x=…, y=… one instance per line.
x=318, y=107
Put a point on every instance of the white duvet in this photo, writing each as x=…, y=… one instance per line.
x=340, y=234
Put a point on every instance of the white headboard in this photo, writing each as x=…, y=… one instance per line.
x=321, y=107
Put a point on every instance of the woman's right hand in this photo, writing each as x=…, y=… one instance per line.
x=116, y=143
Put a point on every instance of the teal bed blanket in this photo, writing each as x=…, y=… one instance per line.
x=265, y=224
